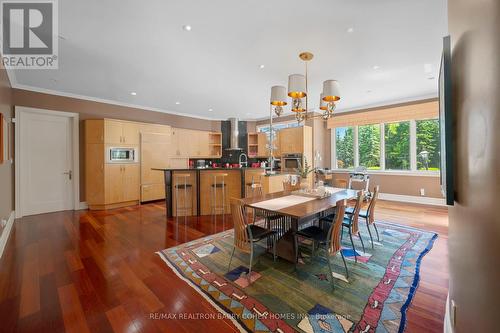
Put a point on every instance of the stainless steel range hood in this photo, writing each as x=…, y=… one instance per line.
x=234, y=135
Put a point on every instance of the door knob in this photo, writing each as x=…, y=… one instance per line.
x=69, y=173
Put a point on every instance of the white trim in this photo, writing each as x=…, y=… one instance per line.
x=83, y=205
x=333, y=141
x=6, y=232
x=382, y=146
x=108, y=101
x=413, y=199
x=19, y=111
x=202, y=294
x=447, y=327
x=388, y=104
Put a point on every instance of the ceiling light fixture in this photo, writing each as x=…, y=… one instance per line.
x=210, y=109
x=133, y=93
x=376, y=67
x=177, y=103
x=261, y=66
x=186, y=27
x=350, y=30
x=297, y=90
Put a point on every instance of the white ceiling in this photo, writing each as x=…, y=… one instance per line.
x=111, y=48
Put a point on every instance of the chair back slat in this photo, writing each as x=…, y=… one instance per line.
x=371, y=206
x=336, y=227
x=288, y=187
x=241, y=240
x=355, y=215
x=340, y=183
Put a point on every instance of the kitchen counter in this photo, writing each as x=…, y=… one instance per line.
x=200, y=179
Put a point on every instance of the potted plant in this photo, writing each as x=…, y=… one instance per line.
x=303, y=172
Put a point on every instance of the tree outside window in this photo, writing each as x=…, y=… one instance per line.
x=369, y=146
x=428, y=145
x=344, y=143
x=397, y=146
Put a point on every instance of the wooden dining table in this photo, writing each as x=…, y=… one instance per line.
x=288, y=220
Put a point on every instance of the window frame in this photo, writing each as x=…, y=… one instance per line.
x=413, y=151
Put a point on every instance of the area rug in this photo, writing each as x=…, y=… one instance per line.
x=279, y=297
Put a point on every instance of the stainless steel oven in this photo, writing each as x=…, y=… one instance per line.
x=290, y=162
x=122, y=155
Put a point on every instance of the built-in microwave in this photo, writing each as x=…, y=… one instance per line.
x=122, y=155
x=291, y=162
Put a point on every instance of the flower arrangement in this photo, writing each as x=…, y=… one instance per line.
x=304, y=171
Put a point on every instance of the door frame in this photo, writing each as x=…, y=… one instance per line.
x=74, y=117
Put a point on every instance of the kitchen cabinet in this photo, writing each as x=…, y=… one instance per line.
x=292, y=140
x=121, y=183
x=112, y=132
x=257, y=145
x=154, y=154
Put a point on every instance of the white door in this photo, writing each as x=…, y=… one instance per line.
x=46, y=158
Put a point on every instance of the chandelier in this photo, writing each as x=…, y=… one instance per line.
x=297, y=90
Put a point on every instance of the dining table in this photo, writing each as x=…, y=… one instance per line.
x=288, y=212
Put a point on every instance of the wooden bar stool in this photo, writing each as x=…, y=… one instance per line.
x=254, y=188
x=218, y=185
x=183, y=192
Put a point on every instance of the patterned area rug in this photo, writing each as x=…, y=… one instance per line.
x=276, y=297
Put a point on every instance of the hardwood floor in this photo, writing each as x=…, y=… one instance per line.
x=98, y=272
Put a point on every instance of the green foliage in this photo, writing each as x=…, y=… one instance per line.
x=397, y=146
x=428, y=140
x=345, y=147
x=369, y=146
x=305, y=170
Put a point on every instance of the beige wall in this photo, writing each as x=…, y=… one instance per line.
x=474, y=227
x=402, y=184
x=96, y=110
x=7, y=168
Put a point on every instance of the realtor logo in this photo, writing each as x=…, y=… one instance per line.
x=29, y=34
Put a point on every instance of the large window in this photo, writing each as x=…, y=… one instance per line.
x=369, y=146
x=412, y=145
x=344, y=147
x=428, y=145
x=277, y=127
x=397, y=146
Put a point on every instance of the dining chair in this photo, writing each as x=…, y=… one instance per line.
x=369, y=214
x=245, y=235
x=329, y=238
x=351, y=223
x=288, y=187
x=340, y=183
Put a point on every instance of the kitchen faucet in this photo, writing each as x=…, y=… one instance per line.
x=243, y=164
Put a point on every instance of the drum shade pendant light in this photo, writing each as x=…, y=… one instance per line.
x=297, y=90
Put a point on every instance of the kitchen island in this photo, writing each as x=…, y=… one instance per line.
x=201, y=180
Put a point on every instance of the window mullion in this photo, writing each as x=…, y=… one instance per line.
x=413, y=145
x=382, y=146
x=334, y=149
x=356, y=147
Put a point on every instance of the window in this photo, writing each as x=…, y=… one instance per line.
x=344, y=147
x=428, y=145
x=369, y=146
x=277, y=127
x=397, y=146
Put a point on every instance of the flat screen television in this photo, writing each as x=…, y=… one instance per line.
x=446, y=124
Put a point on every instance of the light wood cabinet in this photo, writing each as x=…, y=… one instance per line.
x=131, y=182
x=121, y=183
x=257, y=145
x=111, y=132
x=292, y=140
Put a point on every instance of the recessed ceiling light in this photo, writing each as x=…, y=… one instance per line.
x=376, y=67
x=350, y=30
x=133, y=93
x=261, y=66
x=210, y=109
x=177, y=103
x=186, y=27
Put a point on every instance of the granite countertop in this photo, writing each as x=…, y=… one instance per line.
x=278, y=173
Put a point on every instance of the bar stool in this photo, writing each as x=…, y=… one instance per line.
x=183, y=190
x=218, y=185
x=254, y=188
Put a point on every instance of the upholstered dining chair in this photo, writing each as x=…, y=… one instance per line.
x=329, y=238
x=245, y=235
x=369, y=214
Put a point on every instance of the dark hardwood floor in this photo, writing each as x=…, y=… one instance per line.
x=98, y=272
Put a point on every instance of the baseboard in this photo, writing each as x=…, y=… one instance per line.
x=83, y=205
x=6, y=232
x=412, y=199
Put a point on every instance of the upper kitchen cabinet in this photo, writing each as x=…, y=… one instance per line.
x=257, y=145
x=110, y=131
x=295, y=140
